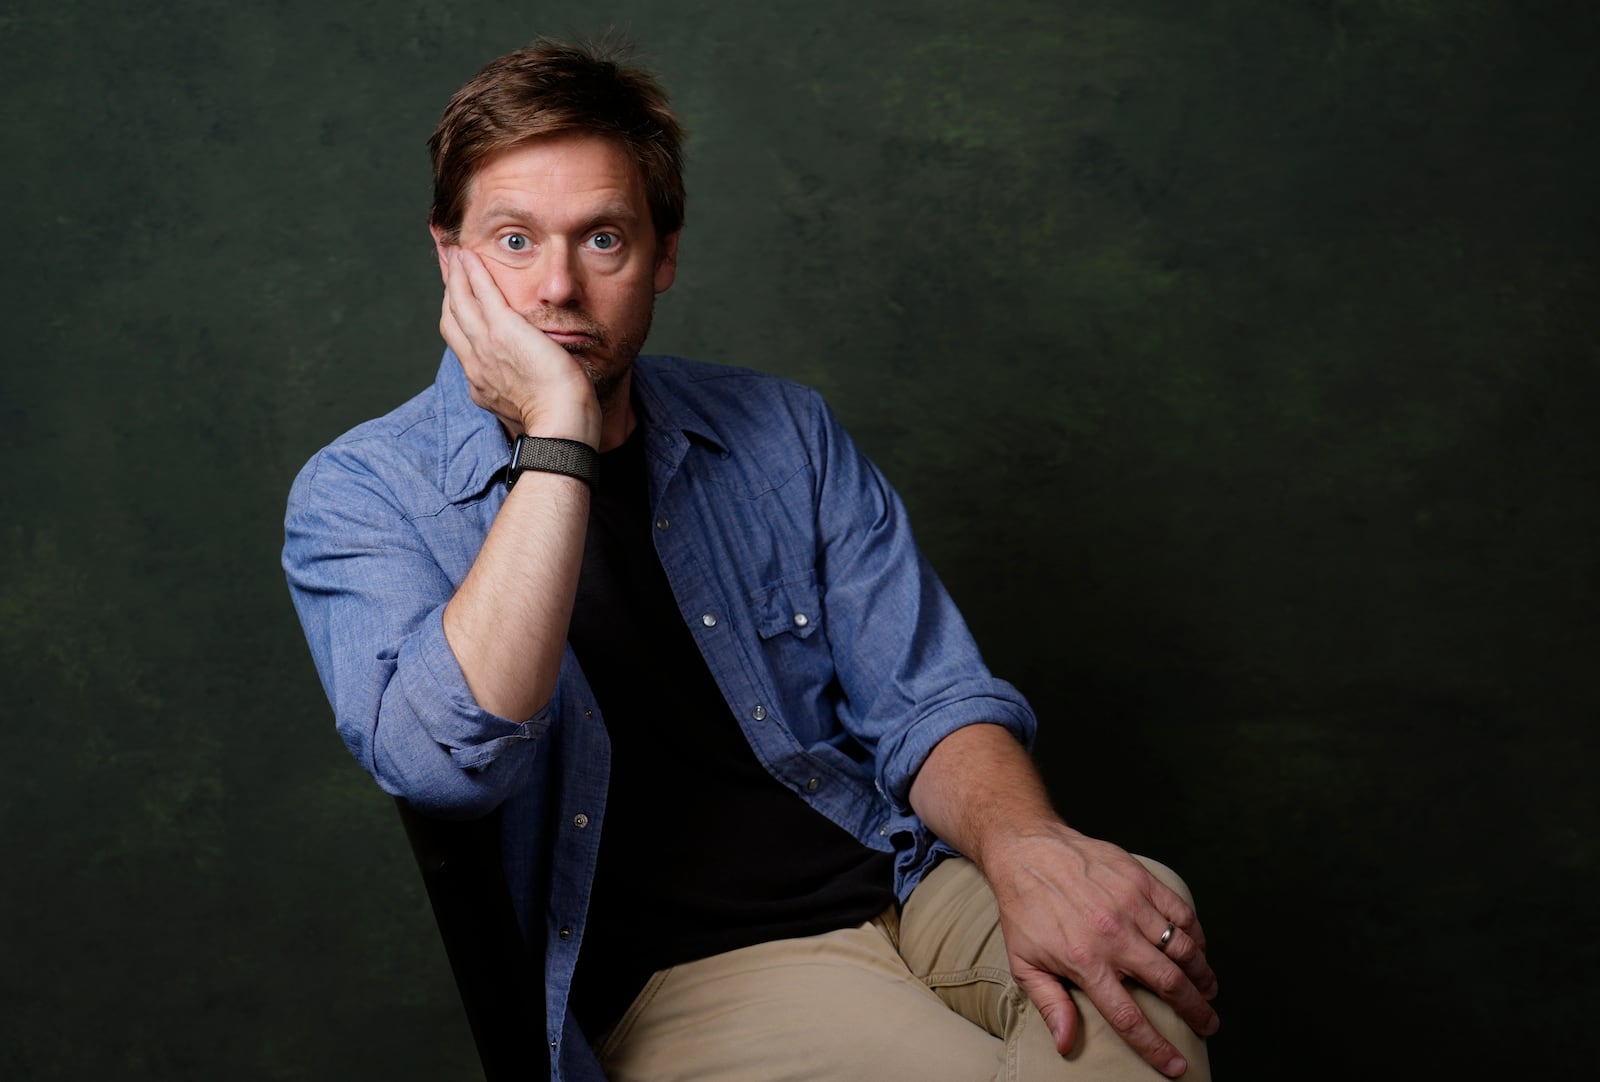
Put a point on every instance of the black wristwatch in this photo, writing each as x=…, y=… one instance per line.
x=571, y=457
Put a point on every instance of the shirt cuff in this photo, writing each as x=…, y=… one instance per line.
x=436, y=745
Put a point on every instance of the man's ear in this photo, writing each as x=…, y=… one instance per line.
x=667, y=261
x=441, y=247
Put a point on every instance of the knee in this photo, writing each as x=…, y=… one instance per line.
x=1167, y=876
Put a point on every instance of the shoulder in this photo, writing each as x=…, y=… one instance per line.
x=397, y=454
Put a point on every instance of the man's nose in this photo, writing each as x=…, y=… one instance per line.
x=557, y=276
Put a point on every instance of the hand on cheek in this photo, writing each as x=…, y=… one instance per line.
x=514, y=370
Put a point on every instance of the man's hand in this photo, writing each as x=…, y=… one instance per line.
x=1070, y=907
x=515, y=370
x=1085, y=910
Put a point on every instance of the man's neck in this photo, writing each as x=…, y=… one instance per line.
x=617, y=417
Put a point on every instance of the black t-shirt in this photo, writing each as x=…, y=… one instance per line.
x=702, y=850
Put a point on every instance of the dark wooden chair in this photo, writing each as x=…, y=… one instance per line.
x=498, y=973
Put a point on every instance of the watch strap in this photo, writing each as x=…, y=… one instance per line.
x=552, y=455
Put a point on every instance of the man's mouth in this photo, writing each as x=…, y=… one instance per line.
x=572, y=331
x=574, y=342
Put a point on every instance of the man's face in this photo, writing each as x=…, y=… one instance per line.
x=563, y=226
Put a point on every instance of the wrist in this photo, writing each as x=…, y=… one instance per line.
x=580, y=423
x=1006, y=854
x=546, y=454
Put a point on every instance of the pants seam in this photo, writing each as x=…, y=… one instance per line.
x=970, y=975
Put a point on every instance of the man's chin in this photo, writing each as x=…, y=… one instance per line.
x=607, y=385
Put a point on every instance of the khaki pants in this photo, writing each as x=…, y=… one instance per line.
x=924, y=995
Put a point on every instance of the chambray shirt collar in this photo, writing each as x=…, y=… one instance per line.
x=474, y=450
x=663, y=409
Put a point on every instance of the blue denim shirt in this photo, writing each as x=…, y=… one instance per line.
x=791, y=560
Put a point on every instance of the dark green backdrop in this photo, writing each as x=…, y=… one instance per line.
x=1237, y=359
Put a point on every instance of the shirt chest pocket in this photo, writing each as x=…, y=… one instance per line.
x=788, y=618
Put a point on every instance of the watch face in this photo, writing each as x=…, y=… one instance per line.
x=513, y=471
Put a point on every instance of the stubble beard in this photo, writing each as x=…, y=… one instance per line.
x=623, y=349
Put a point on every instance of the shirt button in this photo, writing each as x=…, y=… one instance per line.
x=709, y=619
x=800, y=619
x=580, y=820
x=565, y=933
x=811, y=786
x=662, y=523
x=759, y=713
x=883, y=832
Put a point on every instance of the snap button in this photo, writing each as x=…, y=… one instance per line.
x=759, y=713
x=580, y=820
x=800, y=619
x=811, y=786
x=662, y=523
x=709, y=619
x=565, y=933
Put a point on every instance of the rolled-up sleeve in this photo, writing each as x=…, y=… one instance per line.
x=909, y=668
x=370, y=592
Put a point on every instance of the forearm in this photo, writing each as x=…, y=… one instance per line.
x=507, y=624
x=980, y=792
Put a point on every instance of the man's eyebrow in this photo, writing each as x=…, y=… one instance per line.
x=506, y=212
x=619, y=212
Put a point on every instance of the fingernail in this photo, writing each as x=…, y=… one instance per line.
x=1175, y=1067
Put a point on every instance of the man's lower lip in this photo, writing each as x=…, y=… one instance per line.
x=568, y=339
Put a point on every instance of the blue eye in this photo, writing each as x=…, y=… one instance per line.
x=516, y=242
x=605, y=241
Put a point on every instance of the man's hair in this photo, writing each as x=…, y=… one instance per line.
x=557, y=88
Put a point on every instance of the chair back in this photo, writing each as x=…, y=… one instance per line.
x=499, y=974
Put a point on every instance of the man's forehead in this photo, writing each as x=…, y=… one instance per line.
x=555, y=170
x=616, y=211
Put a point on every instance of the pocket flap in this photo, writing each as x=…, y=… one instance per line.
x=792, y=607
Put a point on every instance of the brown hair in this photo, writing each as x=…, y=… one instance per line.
x=555, y=88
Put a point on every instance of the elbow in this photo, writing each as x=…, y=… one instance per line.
x=436, y=782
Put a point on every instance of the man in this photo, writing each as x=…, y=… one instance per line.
x=669, y=620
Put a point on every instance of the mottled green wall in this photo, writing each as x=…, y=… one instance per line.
x=1238, y=361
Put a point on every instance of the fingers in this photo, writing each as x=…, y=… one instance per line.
x=1055, y=1005
x=1120, y=1011
x=449, y=325
x=1171, y=975
x=1180, y=975
x=481, y=285
x=1189, y=954
x=1177, y=909
x=1187, y=947
x=461, y=300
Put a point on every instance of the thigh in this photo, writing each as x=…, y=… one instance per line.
x=950, y=939
x=826, y=1008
